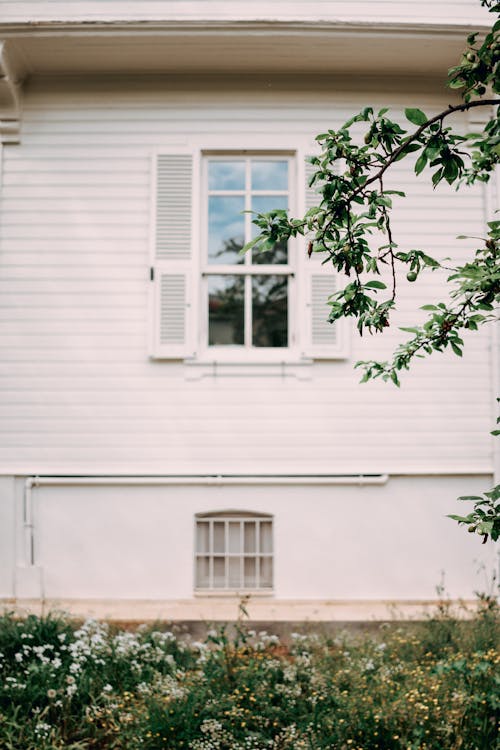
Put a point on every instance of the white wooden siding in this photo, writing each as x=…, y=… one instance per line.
x=78, y=392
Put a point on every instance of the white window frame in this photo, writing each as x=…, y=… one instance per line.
x=227, y=517
x=247, y=353
x=201, y=359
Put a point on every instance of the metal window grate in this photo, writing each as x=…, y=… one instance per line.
x=234, y=553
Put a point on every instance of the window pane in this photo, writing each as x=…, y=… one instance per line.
x=202, y=537
x=226, y=175
x=269, y=175
x=226, y=228
x=202, y=572
x=219, y=573
x=219, y=545
x=266, y=572
x=270, y=311
x=226, y=317
x=234, y=572
x=234, y=537
x=262, y=204
x=250, y=581
x=266, y=538
x=250, y=537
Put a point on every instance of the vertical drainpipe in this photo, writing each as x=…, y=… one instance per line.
x=28, y=528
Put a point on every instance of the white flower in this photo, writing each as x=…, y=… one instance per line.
x=51, y=693
x=42, y=729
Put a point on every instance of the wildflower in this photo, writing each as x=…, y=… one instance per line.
x=51, y=693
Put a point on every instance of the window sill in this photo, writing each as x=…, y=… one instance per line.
x=229, y=594
x=202, y=367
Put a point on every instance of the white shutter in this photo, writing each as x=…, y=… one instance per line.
x=312, y=197
x=173, y=331
x=323, y=333
x=322, y=340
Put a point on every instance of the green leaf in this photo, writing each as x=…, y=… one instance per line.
x=460, y=519
x=437, y=176
x=456, y=349
x=420, y=163
x=416, y=116
x=375, y=285
x=250, y=244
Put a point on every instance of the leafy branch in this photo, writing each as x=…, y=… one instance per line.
x=351, y=225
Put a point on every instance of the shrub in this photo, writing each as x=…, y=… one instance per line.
x=427, y=686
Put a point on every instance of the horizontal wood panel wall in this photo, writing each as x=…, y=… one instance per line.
x=78, y=392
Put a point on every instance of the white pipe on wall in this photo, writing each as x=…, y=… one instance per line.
x=209, y=480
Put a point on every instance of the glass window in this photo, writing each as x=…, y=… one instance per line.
x=246, y=294
x=233, y=552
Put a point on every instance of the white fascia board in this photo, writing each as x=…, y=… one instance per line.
x=413, y=48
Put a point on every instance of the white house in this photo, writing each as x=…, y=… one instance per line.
x=179, y=426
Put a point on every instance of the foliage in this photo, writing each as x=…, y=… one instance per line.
x=431, y=686
x=352, y=226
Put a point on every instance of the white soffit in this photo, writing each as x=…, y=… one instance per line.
x=76, y=49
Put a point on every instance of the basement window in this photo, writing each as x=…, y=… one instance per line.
x=234, y=551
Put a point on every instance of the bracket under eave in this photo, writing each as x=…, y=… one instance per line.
x=10, y=96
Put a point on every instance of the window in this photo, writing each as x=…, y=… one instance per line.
x=234, y=552
x=245, y=297
x=211, y=304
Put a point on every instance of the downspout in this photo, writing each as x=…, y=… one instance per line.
x=28, y=526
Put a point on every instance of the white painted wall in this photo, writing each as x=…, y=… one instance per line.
x=389, y=542
x=78, y=392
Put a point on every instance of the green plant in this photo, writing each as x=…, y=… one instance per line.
x=352, y=224
x=428, y=686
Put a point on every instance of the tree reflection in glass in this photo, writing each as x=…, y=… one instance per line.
x=270, y=311
x=226, y=317
x=226, y=228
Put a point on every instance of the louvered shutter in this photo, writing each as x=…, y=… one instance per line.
x=312, y=197
x=323, y=340
x=172, y=261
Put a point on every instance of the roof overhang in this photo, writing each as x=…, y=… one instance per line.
x=265, y=46
x=221, y=47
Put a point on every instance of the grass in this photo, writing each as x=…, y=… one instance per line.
x=433, y=685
